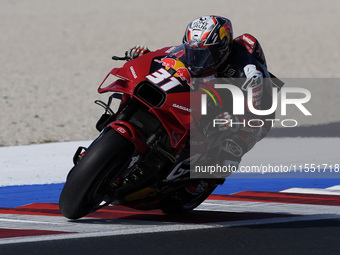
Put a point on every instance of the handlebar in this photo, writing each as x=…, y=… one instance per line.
x=120, y=58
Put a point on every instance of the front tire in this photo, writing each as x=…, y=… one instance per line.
x=87, y=185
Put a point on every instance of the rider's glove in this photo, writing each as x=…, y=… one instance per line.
x=136, y=52
x=225, y=121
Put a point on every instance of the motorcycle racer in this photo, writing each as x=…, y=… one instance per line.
x=161, y=147
x=239, y=61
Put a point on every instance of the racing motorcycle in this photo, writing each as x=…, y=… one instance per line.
x=139, y=158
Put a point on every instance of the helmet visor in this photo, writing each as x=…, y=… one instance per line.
x=198, y=60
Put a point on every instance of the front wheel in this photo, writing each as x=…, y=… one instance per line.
x=88, y=183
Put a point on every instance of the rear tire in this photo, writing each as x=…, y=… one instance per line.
x=87, y=184
x=176, y=205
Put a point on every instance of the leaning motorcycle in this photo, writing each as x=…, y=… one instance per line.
x=141, y=157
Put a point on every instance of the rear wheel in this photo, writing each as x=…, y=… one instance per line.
x=178, y=204
x=87, y=185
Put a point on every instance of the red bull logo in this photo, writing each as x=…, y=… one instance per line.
x=181, y=71
x=167, y=62
x=184, y=74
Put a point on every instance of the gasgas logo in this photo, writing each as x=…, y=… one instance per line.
x=162, y=74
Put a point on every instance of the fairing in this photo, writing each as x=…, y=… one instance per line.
x=175, y=112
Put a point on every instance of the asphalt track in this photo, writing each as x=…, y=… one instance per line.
x=242, y=223
x=252, y=216
x=307, y=237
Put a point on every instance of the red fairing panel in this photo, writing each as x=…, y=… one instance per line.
x=133, y=71
x=130, y=133
x=174, y=114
